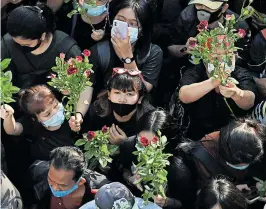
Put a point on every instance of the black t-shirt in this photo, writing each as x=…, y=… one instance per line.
x=29, y=69
x=83, y=31
x=150, y=66
x=210, y=112
x=186, y=27
x=44, y=141
x=96, y=122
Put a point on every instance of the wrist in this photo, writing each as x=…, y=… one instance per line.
x=214, y=82
x=238, y=95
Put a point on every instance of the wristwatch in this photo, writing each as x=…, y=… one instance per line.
x=127, y=60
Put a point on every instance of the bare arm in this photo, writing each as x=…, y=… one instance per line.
x=85, y=100
x=246, y=101
x=193, y=92
x=261, y=84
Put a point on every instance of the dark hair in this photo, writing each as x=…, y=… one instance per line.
x=220, y=192
x=33, y=100
x=30, y=22
x=241, y=141
x=145, y=13
x=69, y=159
x=123, y=82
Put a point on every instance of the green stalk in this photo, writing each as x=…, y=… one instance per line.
x=229, y=107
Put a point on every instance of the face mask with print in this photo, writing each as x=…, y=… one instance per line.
x=64, y=193
x=237, y=167
x=95, y=11
x=134, y=34
x=57, y=119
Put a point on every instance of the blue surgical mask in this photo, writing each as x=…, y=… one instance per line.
x=95, y=11
x=134, y=34
x=243, y=167
x=57, y=119
x=66, y=192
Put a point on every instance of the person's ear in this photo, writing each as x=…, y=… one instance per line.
x=140, y=100
x=43, y=36
x=225, y=7
x=82, y=181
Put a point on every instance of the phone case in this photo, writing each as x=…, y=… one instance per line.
x=121, y=27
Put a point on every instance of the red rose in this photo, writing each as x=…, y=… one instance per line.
x=90, y=135
x=104, y=129
x=86, y=53
x=51, y=76
x=87, y=73
x=228, y=17
x=241, y=33
x=202, y=26
x=62, y=56
x=155, y=140
x=192, y=43
x=79, y=58
x=144, y=141
x=72, y=70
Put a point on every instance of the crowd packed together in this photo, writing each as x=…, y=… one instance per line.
x=162, y=104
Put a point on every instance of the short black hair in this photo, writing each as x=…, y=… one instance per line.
x=220, y=192
x=69, y=159
x=30, y=22
x=241, y=141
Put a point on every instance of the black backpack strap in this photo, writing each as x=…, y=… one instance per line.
x=66, y=44
x=103, y=50
x=74, y=23
x=210, y=162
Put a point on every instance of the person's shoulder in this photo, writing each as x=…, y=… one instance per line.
x=156, y=49
x=61, y=36
x=89, y=205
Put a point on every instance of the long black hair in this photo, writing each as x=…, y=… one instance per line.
x=123, y=82
x=222, y=193
x=30, y=22
x=145, y=13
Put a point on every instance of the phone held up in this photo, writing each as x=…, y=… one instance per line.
x=121, y=28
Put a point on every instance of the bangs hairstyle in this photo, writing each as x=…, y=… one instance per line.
x=122, y=82
x=30, y=22
x=34, y=100
x=242, y=141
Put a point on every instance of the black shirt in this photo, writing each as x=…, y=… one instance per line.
x=83, y=31
x=150, y=66
x=42, y=140
x=210, y=112
x=186, y=27
x=29, y=69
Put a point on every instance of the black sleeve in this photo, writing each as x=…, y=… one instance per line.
x=4, y=50
x=127, y=147
x=194, y=74
x=152, y=67
x=27, y=124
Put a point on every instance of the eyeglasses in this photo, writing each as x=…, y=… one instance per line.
x=132, y=72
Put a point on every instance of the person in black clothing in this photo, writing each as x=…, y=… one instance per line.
x=43, y=124
x=147, y=126
x=69, y=187
x=135, y=52
x=211, y=11
x=204, y=103
x=222, y=194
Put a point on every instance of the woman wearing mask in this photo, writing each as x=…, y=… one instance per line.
x=203, y=98
x=43, y=123
x=118, y=107
x=135, y=51
x=229, y=152
x=93, y=25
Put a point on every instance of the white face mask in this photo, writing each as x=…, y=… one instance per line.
x=134, y=34
x=203, y=15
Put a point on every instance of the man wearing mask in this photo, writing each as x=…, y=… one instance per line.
x=213, y=11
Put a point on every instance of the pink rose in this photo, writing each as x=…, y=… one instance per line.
x=104, y=129
x=79, y=58
x=241, y=33
x=192, y=43
x=70, y=61
x=221, y=38
x=86, y=53
x=155, y=140
x=87, y=73
x=72, y=70
x=62, y=56
x=90, y=135
x=51, y=76
x=144, y=141
x=202, y=26
x=228, y=17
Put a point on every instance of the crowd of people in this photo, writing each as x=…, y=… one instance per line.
x=141, y=84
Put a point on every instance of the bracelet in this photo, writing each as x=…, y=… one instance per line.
x=81, y=115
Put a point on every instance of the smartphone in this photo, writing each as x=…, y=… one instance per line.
x=120, y=27
x=251, y=195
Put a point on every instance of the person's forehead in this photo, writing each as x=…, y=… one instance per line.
x=60, y=176
x=127, y=13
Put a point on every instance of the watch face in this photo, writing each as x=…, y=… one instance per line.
x=128, y=60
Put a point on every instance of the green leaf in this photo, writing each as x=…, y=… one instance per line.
x=80, y=142
x=104, y=149
x=5, y=63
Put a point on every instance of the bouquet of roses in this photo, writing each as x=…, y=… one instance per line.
x=97, y=147
x=72, y=76
x=151, y=166
x=261, y=187
x=216, y=47
x=6, y=87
